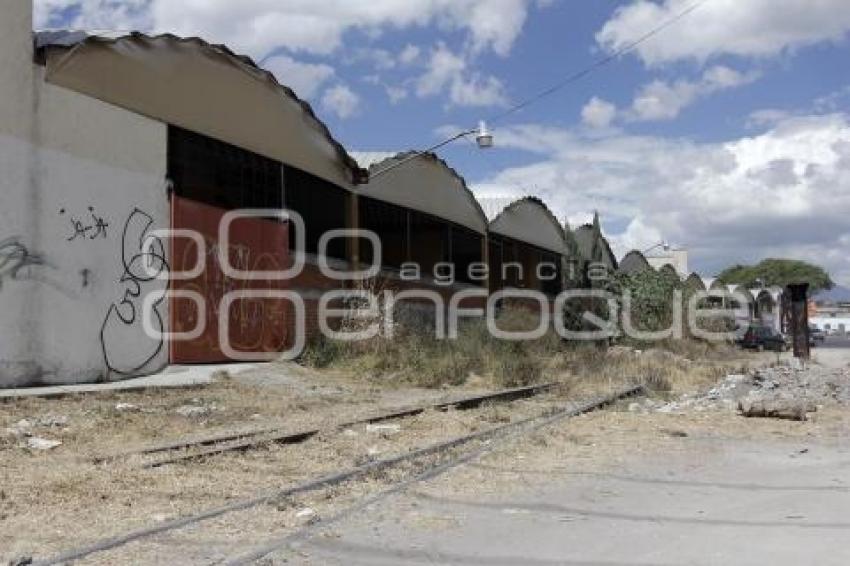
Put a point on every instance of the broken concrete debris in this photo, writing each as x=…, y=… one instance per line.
x=35, y=443
x=193, y=412
x=788, y=410
x=786, y=390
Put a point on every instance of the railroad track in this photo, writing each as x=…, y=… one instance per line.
x=454, y=456
x=198, y=448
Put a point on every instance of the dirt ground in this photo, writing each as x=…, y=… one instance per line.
x=677, y=484
x=56, y=499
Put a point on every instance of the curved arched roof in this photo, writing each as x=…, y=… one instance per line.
x=528, y=220
x=634, y=262
x=201, y=87
x=424, y=183
x=594, y=246
x=694, y=281
x=670, y=273
x=742, y=291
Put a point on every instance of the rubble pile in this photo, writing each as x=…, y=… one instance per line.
x=785, y=390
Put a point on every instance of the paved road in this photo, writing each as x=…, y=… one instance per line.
x=835, y=342
x=742, y=503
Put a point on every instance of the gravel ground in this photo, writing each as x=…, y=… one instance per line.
x=685, y=480
x=53, y=497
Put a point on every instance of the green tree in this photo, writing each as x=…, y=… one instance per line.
x=780, y=272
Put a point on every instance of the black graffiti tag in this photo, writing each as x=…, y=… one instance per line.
x=127, y=349
x=88, y=230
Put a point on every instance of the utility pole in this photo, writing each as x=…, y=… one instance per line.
x=800, y=319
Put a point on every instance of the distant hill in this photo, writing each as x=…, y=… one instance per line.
x=835, y=295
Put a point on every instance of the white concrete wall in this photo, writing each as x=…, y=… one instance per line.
x=833, y=323
x=71, y=314
x=17, y=220
x=677, y=258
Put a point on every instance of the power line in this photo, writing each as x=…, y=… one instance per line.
x=598, y=63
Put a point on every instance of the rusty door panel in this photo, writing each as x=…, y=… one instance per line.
x=256, y=325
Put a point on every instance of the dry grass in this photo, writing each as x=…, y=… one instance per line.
x=61, y=499
x=663, y=371
x=44, y=497
x=414, y=356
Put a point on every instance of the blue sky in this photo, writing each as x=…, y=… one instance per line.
x=727, y=133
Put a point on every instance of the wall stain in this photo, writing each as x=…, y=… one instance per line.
x=14, y=258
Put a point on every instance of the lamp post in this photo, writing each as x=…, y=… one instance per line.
x=483, y=137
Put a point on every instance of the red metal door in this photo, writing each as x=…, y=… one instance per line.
x=258, y=326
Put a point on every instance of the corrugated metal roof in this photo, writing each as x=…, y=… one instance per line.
x=77, y=41
x=70, y=38
x=584, y=239
x=526, y=219
x=447, y=197
x=586, y=242
x=494, y=206
x=634, y=262
x=367, y=159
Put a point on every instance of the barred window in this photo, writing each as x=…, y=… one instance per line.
x=390, y=223
x=220, y=174
x=322, y=205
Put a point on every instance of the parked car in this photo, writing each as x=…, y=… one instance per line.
x=764, y=338
x=816, y=335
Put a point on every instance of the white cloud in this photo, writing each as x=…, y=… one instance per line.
x=304, y=78
x=342, y=101
x=117, y=15
x=396, y=93
x=448, y=71
x=767, y=117
x=443, y=67
x=661, y=100
x=834, y=100
x=784, y=192
x=477, y=90
x=381, y=59
x=598, y=113
x=258, y=27
x=495, y=23
x=637, y=236
x=409, y=55
x=748, y=28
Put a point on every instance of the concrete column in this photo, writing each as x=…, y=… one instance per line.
x=800, y=319
x=20, y=255
x=354, y=224
x=485, y=259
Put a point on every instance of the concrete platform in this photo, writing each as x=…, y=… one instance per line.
x=172, y=377
x=742, y=503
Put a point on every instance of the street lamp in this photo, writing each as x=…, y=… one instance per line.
x=483, y=138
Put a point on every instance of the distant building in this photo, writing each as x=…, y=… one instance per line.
x=676, y=257
x=839, y=325
x=831, y=317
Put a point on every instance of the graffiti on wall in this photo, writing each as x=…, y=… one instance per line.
x=14, y=258
x=91, y=227
x=256, y=324
x=127, y=349
x=254, y=245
